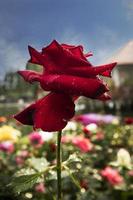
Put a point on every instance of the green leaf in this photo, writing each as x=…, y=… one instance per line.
x=71, y=175
x=38, y=164
x=24, y=171
x=24, y=182
x=73, y=158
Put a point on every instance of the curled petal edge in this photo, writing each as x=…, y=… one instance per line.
x=30, y=76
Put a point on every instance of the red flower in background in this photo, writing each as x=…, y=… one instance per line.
x=66, y=74
x=128, y=120
x=82, y=143
x=84, y=184
x=112, y=176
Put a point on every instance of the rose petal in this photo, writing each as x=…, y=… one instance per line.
x=77, y=50
x=57, y=57
x=36, y=57
x=67, y=46
x=80, y=71
x=50, y=113
x=85, y=71
x=88, y=54
x=26, y=116
x=53, y=112
x=104, y=97
x=89, y=87
x=29, y=75
x=105, y=70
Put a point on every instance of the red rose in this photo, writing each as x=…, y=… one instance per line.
x=50, y=113
x=128, y=120
x=67, y=73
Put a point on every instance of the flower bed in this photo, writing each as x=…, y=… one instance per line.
x=97, y=161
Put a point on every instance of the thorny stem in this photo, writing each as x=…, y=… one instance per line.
x=58, y=156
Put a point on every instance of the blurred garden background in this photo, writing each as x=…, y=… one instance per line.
x=97, y=144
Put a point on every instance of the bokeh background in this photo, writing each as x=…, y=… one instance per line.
x=97, y=145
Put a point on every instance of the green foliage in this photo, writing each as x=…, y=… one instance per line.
x=24, y=182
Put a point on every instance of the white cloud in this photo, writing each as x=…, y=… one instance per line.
x=11, y=57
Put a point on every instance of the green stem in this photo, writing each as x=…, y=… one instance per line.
x=59, y=166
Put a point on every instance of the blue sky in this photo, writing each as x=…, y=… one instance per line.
x=102, y=26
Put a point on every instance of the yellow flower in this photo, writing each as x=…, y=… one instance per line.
x=8, y=133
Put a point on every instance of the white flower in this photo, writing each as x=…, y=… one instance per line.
x=123, y=158
x=70, y=126
x=46, y=135
x=92, y=127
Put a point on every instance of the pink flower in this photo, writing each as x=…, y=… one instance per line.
x=40, y=188
x=19, y=160
x=36, y=139
x=82, y=143
x=112, y=175
x=66, y=139
x=24, y=153
x=7, y=147
x=86, y=119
